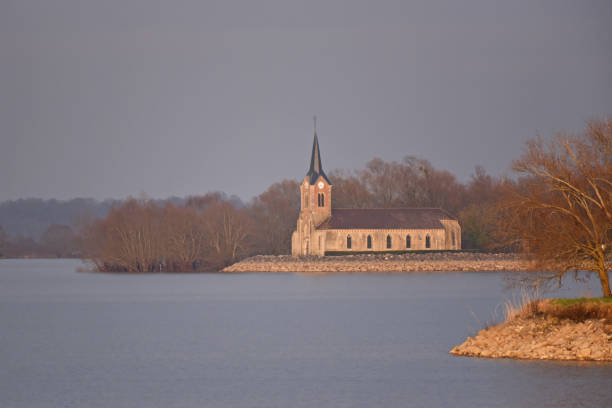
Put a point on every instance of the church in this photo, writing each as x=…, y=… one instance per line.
x=322, y=229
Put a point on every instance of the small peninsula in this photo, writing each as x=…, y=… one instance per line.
x=551, y=329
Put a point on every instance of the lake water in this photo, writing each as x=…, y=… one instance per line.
x=73, y=339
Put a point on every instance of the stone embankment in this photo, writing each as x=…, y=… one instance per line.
x=542, y=338
x=382, y=263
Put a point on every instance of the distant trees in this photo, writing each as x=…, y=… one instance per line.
x=184, y=238
x=412, y=183
x=206, y=233
x=227, y=231
x=274, y=215
x=58, y=241
x=561, y=211
x=31, y=217
x=130, y=238
x=210, y=231
x=382, y=180
x=46, y=228
x=416, y=183
x=479, y=216
x=349, y=190
x=3, y=241
x=20, y=246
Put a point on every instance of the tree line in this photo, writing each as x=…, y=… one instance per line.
x=211, y=231
x=30, y=217
x=556, y=211
x=57, y=241
x=204, y=233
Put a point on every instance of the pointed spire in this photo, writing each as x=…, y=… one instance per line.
x=316, y=168
x=315, y=157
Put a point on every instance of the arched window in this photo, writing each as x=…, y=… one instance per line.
x=408, y=243
x=369, y=242
x=388, y=241
x=453, y=238
x=321, y=199
x=427, y=241
x=348, y=242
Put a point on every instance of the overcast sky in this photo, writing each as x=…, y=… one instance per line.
x=113, y=98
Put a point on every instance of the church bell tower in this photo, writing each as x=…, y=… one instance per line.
x=316, y=195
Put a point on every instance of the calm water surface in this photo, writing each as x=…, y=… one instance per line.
x=73, y=339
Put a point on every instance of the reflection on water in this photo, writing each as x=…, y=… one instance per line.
x=265, y=340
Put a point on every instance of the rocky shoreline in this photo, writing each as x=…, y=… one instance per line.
x=549, y=329
x=542, y=338
x=382, y=263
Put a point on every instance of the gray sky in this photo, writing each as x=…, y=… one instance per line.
x=122, y=97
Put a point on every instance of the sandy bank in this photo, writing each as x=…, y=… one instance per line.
x=381, y=263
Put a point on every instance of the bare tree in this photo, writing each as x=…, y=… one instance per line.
x=184, y=239
x=382, y=180
x=128, y=239
x=478, y=217
x=201, y=203
x=227, y=230
x=275, y=212
x=350, y=190
x=561, y=210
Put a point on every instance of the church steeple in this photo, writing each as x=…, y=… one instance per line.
x=315, y=208
x=316, y=168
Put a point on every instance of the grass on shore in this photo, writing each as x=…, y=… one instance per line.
x=574, y=301
x=577, y=310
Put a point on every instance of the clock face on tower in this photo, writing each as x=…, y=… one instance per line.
x=321, y=185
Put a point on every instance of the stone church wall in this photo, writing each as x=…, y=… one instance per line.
x=452, y=234
x=336, y=240
x=320, y=241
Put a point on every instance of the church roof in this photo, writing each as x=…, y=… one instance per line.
x=386, y=218
x=316, y=168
